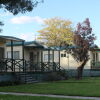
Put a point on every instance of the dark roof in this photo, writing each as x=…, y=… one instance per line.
x=9, y=38
x=27, y=44
x=61, y=48
x=39, y=45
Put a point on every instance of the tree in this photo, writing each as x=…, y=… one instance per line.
x=1, y=24
x=18, y=6
x=83, y=40
x=56, y=31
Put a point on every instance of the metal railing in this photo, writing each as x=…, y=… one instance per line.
x=20, y=65
x=95, y=64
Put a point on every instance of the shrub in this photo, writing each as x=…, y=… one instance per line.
x=54, y=76
x=9, y=83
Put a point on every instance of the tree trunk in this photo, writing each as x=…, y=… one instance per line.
x=80, y=70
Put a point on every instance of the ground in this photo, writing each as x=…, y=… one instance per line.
x=11, y=97
x=85, y=87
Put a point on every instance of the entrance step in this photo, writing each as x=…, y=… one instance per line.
x=25, y=78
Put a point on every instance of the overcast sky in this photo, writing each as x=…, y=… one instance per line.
x=25, y=26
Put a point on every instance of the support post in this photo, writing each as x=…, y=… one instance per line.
x=24, y=68
x=41, y=56
x=59, y=59
x=42, y=67
x=54, y=67
x=12, y=54
x=52, y=55
x=37, y=61
x=48, y=60
x=48, y=55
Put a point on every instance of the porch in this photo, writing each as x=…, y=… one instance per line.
x=26, y=61
x=5, y=66
x=95, y=62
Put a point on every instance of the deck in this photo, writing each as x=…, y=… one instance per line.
x=20, y=65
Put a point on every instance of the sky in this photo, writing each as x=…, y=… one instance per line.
x=26, y=25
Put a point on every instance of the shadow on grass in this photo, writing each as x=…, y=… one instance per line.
x=73, y=82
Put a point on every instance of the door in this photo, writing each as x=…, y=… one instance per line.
x=31, y=56
x=1, y=53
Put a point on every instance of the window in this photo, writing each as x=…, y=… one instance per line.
x=15, y=54
x=51, y=56
x=63, y=55
x=46, y=57
x=9, y=54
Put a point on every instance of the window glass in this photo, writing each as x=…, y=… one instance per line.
x=46, y=57
x=15, y=54
x=51, y=56
x=9, y=54
x=62, y=55
x=65, y=55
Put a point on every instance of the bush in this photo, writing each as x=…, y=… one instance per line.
x=63, y=73
x=54, y=76
x=9, y=83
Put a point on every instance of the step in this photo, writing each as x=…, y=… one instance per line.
x=26, y=78
x=32, y=82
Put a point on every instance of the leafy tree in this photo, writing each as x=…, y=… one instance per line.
x=56, y=32
x=83, y=40
x=18, y=6
x=1, y=24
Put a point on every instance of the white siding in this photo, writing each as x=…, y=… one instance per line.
x=15, y=48
x=67, y=62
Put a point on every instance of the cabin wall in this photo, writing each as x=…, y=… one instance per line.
x=26, y=54
x=2, y=50
x=15, y=48
x=67, y=61
x=45, y=56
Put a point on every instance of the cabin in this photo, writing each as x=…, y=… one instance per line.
x=36, y=55
x=35, y=59
x=4, y=66
x=24, y=61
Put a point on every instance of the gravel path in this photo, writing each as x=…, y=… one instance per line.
x=49, y=95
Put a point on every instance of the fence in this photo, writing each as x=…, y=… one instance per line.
x=20, y=65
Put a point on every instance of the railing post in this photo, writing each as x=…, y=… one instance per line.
x=14, y=65
x=23, y=54
x=48, y=59
x=54, y=67
x=12, y=55
x=42, y=66
x=59, y=60
x=6, y=64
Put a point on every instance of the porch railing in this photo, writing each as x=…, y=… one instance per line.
x=95, y=64
x=20, y=65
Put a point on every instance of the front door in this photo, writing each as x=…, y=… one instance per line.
x=31, y=56
x=1, y=53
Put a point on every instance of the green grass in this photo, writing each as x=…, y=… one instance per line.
x=85, y=87
x=12, y=97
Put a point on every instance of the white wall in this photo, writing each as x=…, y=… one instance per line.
x=15, y=48
x=56, y=57
x=67, y=62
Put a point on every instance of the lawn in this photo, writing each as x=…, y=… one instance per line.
x=85, y=87
x=12, y=97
